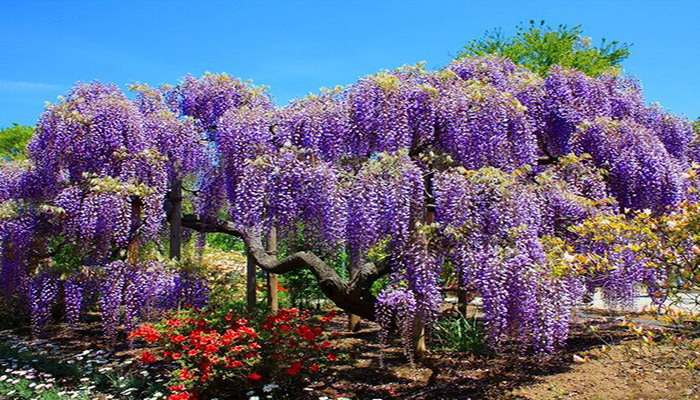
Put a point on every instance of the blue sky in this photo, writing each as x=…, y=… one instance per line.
x=296, y=47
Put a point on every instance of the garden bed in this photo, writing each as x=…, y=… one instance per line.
x=78, y=363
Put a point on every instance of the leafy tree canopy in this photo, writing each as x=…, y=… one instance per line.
x=538, y=47
x=13, y=141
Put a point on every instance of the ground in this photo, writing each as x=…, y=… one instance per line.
x=82, y=365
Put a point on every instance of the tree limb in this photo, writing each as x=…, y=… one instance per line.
x=353, y=296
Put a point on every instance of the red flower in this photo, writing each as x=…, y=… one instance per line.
x=147, y=332
x=294, y=369
x=332, y=357
x=177, y=388
x=174, y=322
x=314, y=367
x=147, y=357
x=180, y=396
x=177, y=339
x=237, y=349
x=185, y=374
x=254, y=377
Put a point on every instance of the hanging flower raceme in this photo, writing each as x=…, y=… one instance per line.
x=480, y=125
x=384, y=199
x=491, y=223
x=642, y=174
x=390, y=111
x=318, y=122
x=289, y=186
x=133, y=293
x=207, y=99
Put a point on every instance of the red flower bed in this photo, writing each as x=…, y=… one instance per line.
x=211, y=350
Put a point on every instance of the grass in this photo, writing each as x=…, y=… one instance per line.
x=463, y=334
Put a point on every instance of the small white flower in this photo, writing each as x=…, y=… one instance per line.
x=568, y=257
x=270, y=387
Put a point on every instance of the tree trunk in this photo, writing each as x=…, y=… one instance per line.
x=419, y=347
x=351, y=296
x=250, y=282
x=272, y=279
x=176, y=219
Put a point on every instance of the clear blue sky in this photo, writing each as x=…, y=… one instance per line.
x=296, y=47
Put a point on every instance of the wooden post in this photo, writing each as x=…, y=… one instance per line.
x=461, y=297
x=251, y=282
x=420, y=349
x=132, y=249
x=272, y=279
x=176, y=219
x=354, y=320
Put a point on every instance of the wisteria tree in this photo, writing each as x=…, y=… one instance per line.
x=472, y=175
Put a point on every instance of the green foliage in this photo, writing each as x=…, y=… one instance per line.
x=539, y=47
x=13, y=141
x=225, y=242
x=463, y=334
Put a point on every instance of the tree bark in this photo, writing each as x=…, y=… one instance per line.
x=272, y=280
x=132, y=249
x=175, y=219
x=250, y=282
x=420, y=349
x=352, y=295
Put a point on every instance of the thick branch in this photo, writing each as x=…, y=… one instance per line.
x=353, y=296
x=195, y=223
x=331, y=284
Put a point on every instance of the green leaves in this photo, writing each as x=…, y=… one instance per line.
x=13, y=141
x=539, y=47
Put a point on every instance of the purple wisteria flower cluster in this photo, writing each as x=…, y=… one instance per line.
x=479, y=166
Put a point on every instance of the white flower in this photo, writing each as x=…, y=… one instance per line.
x=270, y=387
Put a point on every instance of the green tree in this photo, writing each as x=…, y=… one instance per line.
x=13, y=141
x=539, y=47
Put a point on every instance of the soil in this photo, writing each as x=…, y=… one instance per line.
x=620, y=373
